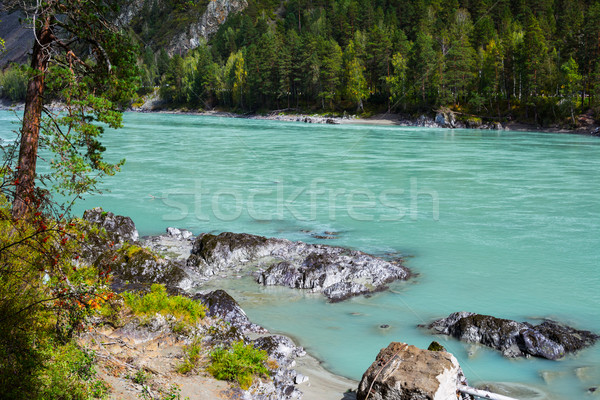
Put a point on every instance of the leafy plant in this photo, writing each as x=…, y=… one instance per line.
x=140, y=377
x=158, y=301
x=192, y=354
x=240, y=363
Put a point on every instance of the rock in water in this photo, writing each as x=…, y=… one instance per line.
x=336, y=272
x=403, y=372
x=549, y=339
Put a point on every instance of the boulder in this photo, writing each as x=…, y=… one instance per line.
x=337, y=272
x=116, y=246
x=118, y=227
x=220, y=304
x=549, y=339
x=283, y=351
x=138, y=265
x=445, y=118
x=403, y=372
x=181, y=234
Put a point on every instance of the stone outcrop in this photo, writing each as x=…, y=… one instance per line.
x=446, y=118
x=18, y=39
x=337, y=272
x=283, y=351
x=549, y=339
x=216, y=14
x=116, y=245
x=118, y=227
x=406, y=372
x=220, y=304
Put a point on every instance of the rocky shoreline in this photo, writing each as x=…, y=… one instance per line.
x=441, y=119
x=185, y=262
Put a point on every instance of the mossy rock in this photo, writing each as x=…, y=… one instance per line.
x=435, y=346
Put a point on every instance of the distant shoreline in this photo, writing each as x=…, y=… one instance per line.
x=383, y=119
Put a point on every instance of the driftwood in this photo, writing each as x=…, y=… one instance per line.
x=484, y=394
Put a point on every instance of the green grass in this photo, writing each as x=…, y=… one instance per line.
x=240, y=363
x=158, y=301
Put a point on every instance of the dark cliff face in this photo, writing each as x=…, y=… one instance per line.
x=162, y=24
x=18, y=39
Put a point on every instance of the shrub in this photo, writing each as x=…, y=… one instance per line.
x=192, y=355
x=240, y=363
x=14, y=83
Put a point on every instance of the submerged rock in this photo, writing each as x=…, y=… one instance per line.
x=406, y=372
x=549, y=339
x=336, y=272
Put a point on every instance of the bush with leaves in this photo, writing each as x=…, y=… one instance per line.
x=47, y=294
x=240, y=363
x=13, y=83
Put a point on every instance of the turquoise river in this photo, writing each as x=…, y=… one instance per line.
x=501, y=223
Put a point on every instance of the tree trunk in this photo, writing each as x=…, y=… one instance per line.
x=30, y=133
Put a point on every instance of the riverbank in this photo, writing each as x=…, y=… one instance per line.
x=299, y=369
x=588, y=125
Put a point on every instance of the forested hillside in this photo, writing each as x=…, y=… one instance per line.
x=534, y=61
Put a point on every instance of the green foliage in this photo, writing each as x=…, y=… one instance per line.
x=158, y=301
x=13, y=83
x=192, y=355
x=240, y=363
x=140, y=377
x=493, y=59
x=69, y=373
x=46, y=296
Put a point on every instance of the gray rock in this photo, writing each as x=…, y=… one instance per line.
x=118, y=227
x=409, y=373
x=179, y=233
x=440, y=119
x=216, y=13
x=336, y=272
x=496, y=126
x=220, y=304
x=283, y=351
x=141, y=266
x=549, y=339
x=173, y=232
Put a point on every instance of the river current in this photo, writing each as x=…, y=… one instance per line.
x=500, y=223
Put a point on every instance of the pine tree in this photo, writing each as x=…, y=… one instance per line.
x=422, y=66
x=331, y=71
x=572, y=84
x=80, y=56
x=460, y=60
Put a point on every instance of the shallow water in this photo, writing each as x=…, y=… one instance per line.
x=501, y=223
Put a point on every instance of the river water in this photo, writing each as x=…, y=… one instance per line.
x=501, y=223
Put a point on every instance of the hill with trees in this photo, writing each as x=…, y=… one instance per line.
x=532, y=61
